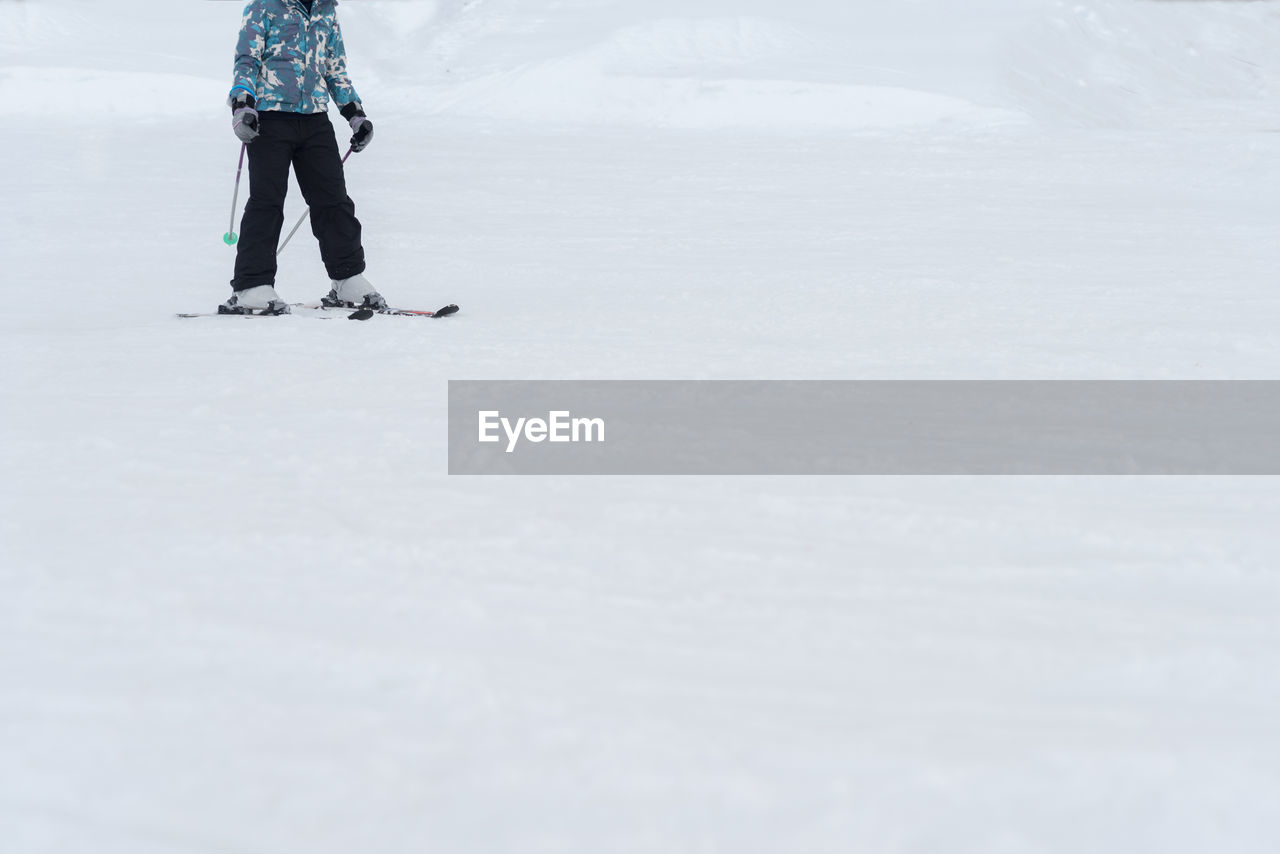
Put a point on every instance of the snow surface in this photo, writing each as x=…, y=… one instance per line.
x=244, y=609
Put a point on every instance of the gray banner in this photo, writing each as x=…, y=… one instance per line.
x=864, y=427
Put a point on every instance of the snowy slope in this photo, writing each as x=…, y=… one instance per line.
x=245, y=610
x=762, y=65
x=1150, y=64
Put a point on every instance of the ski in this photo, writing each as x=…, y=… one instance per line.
x=325, y=312
x=393, y=312
x=318, y=315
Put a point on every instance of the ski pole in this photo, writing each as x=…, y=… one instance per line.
x=305, y=213
x=231, y=237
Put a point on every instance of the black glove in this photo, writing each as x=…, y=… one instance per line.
x=244, y=118
x=360, y=126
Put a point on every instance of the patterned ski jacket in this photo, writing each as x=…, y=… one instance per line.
x=291, y=60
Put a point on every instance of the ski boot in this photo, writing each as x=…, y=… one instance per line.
x=260, y=300
x=355, y=292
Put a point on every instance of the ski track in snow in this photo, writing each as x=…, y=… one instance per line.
x=246, y=610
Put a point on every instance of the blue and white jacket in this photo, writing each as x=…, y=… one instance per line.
x=291, y=60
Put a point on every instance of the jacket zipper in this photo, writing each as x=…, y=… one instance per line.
x=308, y=85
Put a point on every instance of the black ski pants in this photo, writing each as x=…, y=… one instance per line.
x=306, y=142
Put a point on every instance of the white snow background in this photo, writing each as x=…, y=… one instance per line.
x=243, y=608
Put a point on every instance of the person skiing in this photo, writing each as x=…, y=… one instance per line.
x=290, y=60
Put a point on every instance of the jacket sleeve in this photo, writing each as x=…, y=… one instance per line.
x=250, y=48
x=336, y=77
